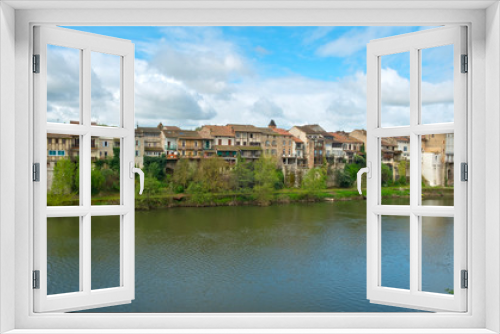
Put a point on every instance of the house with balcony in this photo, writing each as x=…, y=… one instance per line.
x=170, y=137
x=404, y=147
x=271, y=142
x=190, y=144
x=314, y=143
x=220, y=135
x=287, y=145
x=153, y=140
x=246, y=135
x=139, y=150
x=350, y=146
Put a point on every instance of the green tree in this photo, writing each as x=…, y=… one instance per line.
x=62, y=183
x=97, y=181
x=265, y=179
x=210, y=175
x=314, y=182
x=152, y=187
x=183, y=174
x=242, y=175
x=386, y=175
x=402, y=167
x=343, y=178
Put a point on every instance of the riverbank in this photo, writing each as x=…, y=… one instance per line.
x=284, y=196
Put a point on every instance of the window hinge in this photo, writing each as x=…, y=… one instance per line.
x=465, y=64
x=464, y=171
x=36, y=279
x=36, y=172
x=465, y=279
x=36, y=63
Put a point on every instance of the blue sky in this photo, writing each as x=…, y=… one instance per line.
x=189, y=76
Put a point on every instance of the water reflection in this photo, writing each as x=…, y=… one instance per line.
x=293, y=258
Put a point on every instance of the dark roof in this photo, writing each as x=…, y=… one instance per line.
x=272, y=123
x=187, y=134
x=226, y=148
x=148, y=129
x=268, y=131
x=313, y=129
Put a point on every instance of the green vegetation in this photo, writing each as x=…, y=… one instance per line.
x=212, y=182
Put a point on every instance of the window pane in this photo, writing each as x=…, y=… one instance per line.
x=438, y=165
x=437, y=84
x=395, y=89
x=63, y=84
x=437, y=254
x=63, y=169
x=105, y=91
x=105, y=250
x=395, y=251
x=395, y=170
x=63, y=255
x=105, y=175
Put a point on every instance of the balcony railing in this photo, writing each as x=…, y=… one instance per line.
x=170, y=147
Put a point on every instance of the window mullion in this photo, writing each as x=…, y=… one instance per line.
x=415, y=245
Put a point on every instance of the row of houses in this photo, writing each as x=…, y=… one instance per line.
x=304, y=146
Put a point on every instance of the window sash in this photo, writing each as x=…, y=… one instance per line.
x=414, y=298
x=86, y=297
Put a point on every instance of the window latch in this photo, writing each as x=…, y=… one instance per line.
x=368, y=171
x=139, y=171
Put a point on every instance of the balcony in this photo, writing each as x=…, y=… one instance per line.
x=170, y=147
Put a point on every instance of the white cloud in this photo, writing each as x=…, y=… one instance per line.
x=163, y=99
x=202, y=60
x=356, y=40
x=266, y=107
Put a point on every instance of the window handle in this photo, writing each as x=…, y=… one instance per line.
x=141, y=175
x=368, y=172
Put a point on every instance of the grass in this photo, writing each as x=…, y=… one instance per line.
x=279, y=196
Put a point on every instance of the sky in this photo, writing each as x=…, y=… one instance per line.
x=191, y=76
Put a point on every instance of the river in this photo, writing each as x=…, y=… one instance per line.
x=290, y=258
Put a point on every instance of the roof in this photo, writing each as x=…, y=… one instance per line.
x=171, y=133
x=188, y=134
x=165, y=127
x=313, y=129
x=389, y=142
x=226, y=148
x=403, y=139
x=219, y=130
x=244, y=128
x=282, y=132
x=57, y=135
x=268, y=131
x=297, y=140
x=148, y=129
x=343, y=137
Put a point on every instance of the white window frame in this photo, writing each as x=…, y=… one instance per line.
x=86, y=44
x=484, y=266
x=413, y=44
